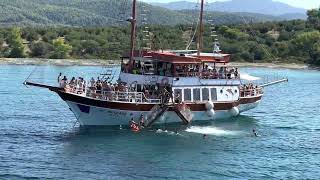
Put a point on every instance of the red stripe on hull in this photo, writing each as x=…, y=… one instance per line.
x=147, y=107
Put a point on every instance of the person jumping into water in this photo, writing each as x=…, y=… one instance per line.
x=142, y=123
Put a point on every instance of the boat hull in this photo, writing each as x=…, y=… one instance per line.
x=90, y=115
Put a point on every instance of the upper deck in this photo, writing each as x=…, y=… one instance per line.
x=181, y=64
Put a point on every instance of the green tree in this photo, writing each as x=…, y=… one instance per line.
x=261, y=52
x=40, y=49
x=282, y=48
x=61, y=49
x=308, y=43
x=17, y=48
x=314, y=18
x=233, y=33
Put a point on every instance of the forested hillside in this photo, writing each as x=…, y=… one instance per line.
x=102, y=13
x=287, y=41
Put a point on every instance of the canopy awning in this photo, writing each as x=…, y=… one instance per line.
x=247, y=77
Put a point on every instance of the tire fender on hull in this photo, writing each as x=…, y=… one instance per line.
x=235, y=111
x=210, y=108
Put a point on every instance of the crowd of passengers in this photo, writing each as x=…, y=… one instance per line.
x=209, y=72
x=250, y=90
x=166, y=69
x=103, y=88
x=74, y=85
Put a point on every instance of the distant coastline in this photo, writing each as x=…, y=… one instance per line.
x=58, y=62
x=101, y=62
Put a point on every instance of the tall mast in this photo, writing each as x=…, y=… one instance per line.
x=200, y=32
x=133, y=21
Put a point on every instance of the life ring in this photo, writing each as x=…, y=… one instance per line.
x=165, y=81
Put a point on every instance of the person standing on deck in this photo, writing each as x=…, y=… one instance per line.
x=177, y=98
x=59, y=78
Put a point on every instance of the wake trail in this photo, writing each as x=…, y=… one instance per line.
x=209, y=130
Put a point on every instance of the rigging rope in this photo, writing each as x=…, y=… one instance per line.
x=195, y=31
x=193, y=36
x=34, y=70
x=255, y=36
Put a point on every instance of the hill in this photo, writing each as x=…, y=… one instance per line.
x=268, y=7
x=104, y=13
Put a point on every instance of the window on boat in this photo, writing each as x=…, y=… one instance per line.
x=213, y=94
x=178, y=94
x=205, y=94
x=187, y=95
x=149, y=68
x=196, y=95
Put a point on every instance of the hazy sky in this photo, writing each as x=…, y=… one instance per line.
x=308, y=4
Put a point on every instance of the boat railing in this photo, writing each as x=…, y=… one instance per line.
x=126, y=96
x=75, y=89
x=251, y=92
x=209, y=75
x=120, y=96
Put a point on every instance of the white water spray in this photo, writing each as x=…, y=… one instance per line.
x=209, y=130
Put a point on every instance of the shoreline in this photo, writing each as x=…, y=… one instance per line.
x=57, y=62
x=100, y=62
x=272, y=65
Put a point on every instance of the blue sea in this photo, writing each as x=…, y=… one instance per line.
x=40, y=139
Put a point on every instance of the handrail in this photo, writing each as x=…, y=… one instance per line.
x=251, y=92
x=209, y=75
x=119, y=96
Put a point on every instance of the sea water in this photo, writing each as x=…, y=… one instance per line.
x=39, y=138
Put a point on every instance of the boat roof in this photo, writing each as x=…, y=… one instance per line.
x=180, y=58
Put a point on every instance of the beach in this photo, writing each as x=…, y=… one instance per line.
x=101, y=62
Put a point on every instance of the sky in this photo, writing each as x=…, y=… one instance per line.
x=307, y=4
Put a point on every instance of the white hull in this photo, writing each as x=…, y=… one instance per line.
x=112, y=117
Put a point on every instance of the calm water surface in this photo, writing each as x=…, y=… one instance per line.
x=38, y=138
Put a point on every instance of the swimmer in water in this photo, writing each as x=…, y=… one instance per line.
x=255, y=133
x=204, y=136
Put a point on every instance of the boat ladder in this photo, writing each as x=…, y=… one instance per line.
x=184, y=113
x=156, y=112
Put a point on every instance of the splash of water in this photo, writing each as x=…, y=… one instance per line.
x=209, y=130
x=167, y=132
